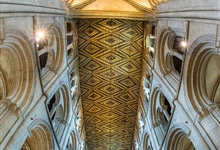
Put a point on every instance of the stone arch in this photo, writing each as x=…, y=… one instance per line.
x=201, y=78
x=59, y=107
x=147, y=143
x=165, y=40
x=160, y=113
x=66, y=101
x=51, y=49
x=159, y=105
x=40, y=136
x=17, y=74
x=57, y=32
x=71, y=145
x=170, y=51
x=153, y=111
x=178, y=138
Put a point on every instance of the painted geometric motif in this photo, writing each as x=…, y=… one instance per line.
x=110, y=52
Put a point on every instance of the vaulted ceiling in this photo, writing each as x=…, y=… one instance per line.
x=110, y=53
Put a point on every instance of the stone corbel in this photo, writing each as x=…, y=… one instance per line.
x=7, y=105
x=4, y=106
x=212, y=107
x=29, y=132
x=16, y=110
x=2, y=31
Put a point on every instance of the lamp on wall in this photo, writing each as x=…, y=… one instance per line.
x=183, y=44
x=39, y=36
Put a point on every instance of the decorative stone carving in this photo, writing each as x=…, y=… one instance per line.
x=78, y=121
x=141, y=126
x=82, y=145
x=136, y=145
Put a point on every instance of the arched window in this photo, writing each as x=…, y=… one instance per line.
x=164, y=113
x=56, y=110
x=178, y=51
x=43, y=57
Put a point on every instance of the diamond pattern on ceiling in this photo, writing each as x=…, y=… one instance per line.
x=110, y=52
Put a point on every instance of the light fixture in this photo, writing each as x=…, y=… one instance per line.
x=183, y=44
x=40, y=34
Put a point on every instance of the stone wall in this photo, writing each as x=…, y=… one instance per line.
x=190, y=119
x=38, y=110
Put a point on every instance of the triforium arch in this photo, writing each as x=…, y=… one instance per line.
x=178, y=138
x=154, y=96
x=170, y=52
x=50, y=48
x=147, y=143
x=40, y=136
x=17, y=73
x=202, y=77
x=160, y=107
x=59, y=107
x=160, y=113
x=71, y=145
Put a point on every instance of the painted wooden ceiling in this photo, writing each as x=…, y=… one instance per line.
x=130, y=9
x=110, y=52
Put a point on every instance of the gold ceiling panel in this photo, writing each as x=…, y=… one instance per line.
x=110, y=52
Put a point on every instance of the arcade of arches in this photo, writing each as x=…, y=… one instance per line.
x=109, y=75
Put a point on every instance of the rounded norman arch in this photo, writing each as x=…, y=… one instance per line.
x=178, y=138
x=51, y=49
x=202, y=76
x=17, y=73
x=59, y=45
x=153, y=112
x=169, y=52
x=165, y=40
x=147, y=143
x=71, y=145
x=40, y=138
x=66, y=101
